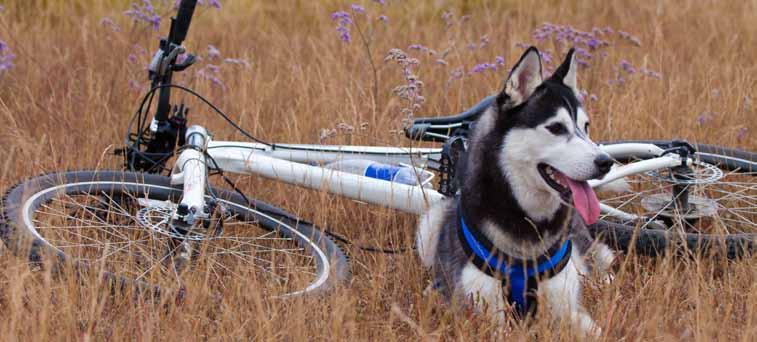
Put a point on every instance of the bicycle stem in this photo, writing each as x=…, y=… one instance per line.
x=161, y=69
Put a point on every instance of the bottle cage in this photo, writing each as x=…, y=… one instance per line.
x=452, y=152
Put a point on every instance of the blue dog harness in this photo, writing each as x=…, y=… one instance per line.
x=519, y=277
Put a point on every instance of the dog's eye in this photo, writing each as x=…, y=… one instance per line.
x=586, y=128
x=557, y=128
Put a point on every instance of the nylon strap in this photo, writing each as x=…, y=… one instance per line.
x=519, y=277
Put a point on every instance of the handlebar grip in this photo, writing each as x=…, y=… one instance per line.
x=416, y=131
x=180, y=24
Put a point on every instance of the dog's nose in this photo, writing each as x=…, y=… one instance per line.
x=603, y=163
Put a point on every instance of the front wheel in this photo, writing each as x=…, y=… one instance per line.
x=710, y=205
x=120, y=221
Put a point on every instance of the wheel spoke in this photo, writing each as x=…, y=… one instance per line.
x=727, y=202
x=127, y=230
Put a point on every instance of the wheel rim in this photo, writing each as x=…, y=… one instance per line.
x=716, y=201
x=111, y=228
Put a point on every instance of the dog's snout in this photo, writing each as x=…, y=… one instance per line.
x=603, y=163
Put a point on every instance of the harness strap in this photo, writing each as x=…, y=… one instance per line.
x=519, y=277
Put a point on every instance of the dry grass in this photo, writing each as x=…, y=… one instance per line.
x=66, y=102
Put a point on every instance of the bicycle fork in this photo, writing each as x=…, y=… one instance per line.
x=190, y=170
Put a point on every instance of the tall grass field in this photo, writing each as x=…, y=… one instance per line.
x=72, y=73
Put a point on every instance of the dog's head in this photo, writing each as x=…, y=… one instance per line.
x=545, y=144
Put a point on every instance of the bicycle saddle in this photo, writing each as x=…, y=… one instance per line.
x=442, y=127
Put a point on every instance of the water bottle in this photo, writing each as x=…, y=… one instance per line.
x=393, y=173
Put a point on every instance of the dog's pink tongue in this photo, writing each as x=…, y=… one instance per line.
x=584, y=199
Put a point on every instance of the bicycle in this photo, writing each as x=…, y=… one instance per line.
x=155, y=228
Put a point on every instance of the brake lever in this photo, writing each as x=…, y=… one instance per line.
x=191, y=59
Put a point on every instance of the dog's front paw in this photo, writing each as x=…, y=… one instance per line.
x=587, y=327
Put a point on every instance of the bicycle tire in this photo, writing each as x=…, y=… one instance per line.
x=22, y=202
x=656, y=242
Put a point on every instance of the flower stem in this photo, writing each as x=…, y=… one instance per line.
x=367, y=46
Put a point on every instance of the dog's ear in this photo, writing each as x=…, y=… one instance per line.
x=523, y=79
x=566, y=73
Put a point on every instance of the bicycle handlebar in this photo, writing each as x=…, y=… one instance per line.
x=180, y=24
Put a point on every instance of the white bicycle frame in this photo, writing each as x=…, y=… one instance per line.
x=301, y=165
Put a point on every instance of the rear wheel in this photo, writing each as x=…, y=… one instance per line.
x=120, y=221
x=710, y=205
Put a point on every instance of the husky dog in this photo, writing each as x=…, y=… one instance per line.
x=506, y=238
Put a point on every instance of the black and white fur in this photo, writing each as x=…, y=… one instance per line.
x=504, y=195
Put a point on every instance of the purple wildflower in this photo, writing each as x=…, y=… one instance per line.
x=546, y=57
x=627, y=36
x=213, y=68
x=210, y=73
x=358, y=9
x=412, y=90
x=237, y=61
x=213, y=52
x=108, y=22
x=341, y=15
x=650, y=73
x=441, y=62
x=582, y=95
x=484, y=41
x=456, y=74
x=344, y=21
x=145, y=12
x=499, y=60
x=705, y=117
x=741, y=134
x=570, y=36
x=479, y=68
x=448, y=18
x=132, y=58
x=593, y=43
x=627, y=67
x=425, y=49
x=540, y=36
x=6, y=57
x=583, y=53
x=380, y=2
x=326, y=134
x=383, y=18
x=619, y=80
x=594, y=97
x=136, y=86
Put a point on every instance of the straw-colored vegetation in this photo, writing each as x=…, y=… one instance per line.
x=65, y=102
